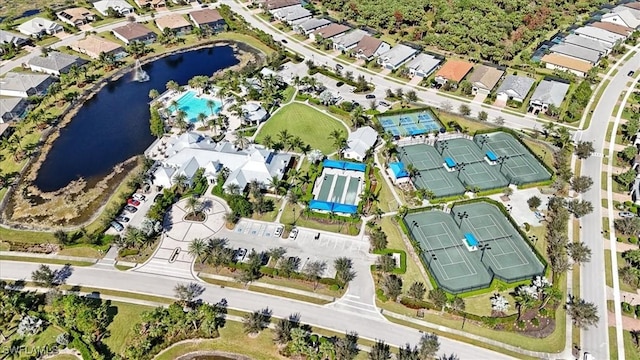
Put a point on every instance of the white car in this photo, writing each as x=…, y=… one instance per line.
x=294, y=234
x=139, y=197
x=278, y=231
x=626, y=214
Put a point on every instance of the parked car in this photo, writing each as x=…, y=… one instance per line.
x=139, y=197
x=294, y=234
x=133, y=202
x=131, y=209
x=240, y=254
x=370, y=96
x=384, y=103
x=278, y=231
x=122, y=219
x=355, y=103
x=117, y=226
x=284, y=41
x=630, y=73
x=626, y=214
x=339, y=67
x=339, y=83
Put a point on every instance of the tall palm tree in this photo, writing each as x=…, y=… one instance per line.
x=211, y=105
x=181, y=120
x=202, y=117
x=267, y=141
x=198, y=249
x=241, y=141
x=181, y=181
x=174, y=105
x=285, y=137
x=193, y=205
x=212, y=123
x=172, y=85
x=153, y=94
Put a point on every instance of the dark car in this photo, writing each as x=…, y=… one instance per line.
x=340, y=83
x=130, y=208
x=122, y=219
x=284, y=41
x=630, y=73
x=370, y=96
x=117, y=226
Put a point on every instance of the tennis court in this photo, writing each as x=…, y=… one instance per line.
x=409, y=124
x=519, y=164
x=457, y=267
x=476, y=172
x=337, y=188
x=431, y=174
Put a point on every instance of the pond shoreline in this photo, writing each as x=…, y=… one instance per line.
x=243, y=52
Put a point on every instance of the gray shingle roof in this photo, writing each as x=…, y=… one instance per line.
x=516, y=86
x=576, y=51
x=397, y=54
x=550, y=92
x=56, y=61
x=584, y=42
x=350, y=38
x=311, y=24
x=424, y=63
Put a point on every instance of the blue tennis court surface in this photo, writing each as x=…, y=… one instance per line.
x=410, y=124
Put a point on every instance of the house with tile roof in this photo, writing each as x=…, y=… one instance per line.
x=329, y=32
x=134, y=32
x=151, y=4
x=548, y=92
x=623, y=15
x=614, y=28
x=360, y=142
x=576, y=52
x=307, y=26
x=76, y=16
x=397, y=56
x=176, y=22
x=565, y=63
x=12, y=109
x=348, y=41
x=38, y=26
x=515, y=88
x=423, y=65
x=369, y=48
x=24, y=84
x=120, y=6
x=94, y=45
x=484, y=78
x=55, y=63
x=453, y=70
x=208, y=17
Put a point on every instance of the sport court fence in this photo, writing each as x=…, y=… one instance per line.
x=450, y=290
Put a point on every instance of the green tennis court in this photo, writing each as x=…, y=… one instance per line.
x=325, y=188
x=459, y=267
x=520, y=165
x=476, y=172
x=431, y=174
x=338, y=189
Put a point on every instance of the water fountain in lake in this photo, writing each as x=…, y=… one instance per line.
x=139, y=75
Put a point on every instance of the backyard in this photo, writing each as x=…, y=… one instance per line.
x=312, y=126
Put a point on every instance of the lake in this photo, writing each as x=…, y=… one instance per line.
x=113, y=126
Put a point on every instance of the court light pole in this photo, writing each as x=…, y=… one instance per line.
x=483, y=249
x=462, y=216
x=460, y=167
x=483, y=140
x=501, y=161
x=443, y=146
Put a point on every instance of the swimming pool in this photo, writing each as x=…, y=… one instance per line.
x=193, y=105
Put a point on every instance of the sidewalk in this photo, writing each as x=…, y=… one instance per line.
x=47, y=256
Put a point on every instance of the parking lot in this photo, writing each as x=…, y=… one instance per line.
x=259, y=236
x=135, y=219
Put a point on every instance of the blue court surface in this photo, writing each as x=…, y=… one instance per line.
x=410, y=124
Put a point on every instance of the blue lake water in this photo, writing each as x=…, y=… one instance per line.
x=114, y=125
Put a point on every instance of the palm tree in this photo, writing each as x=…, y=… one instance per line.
x=439, y=298
x=458, y=305
x=153, y=94
x=181, y=182
x=174, y=105
x=582, y=313
x=524, y=300
x=211, y=105
x=564, y=136
x=181, y=120
x=172, y=85
x=198, y=249
x=267, y=141
x=314, y=270
x=212, y=124
x=256, y=321
x=344, y=272
x=428, y=346
x=285, y=137
x=233, y=189
x=193, y=205
x=241, y=141
x=357, y=116
x=202, y=117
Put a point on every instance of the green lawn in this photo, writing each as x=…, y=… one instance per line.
x=386, y=201
x=312, y=126
x=336, y=226
x=40, y=340
x=630, y=351
x=126, y=315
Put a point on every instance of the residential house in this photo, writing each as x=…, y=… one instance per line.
x=151, y=4
x=565, y=63
x=291, y=14
x=396, y=56
x=270, y=5
x=576, y=52
x=453, y=70
x=369, y=48
x=38, y=26
x=185, y=154
x=55, y=63
x=423, y=65
x=348, y=41
x=614, y=28
x=134, y=32
x=307, y=26
x=208, y=17
x=360, y=142
x=24, y=85
x=484, y=78
x=12, y=109
x=329, y=32
x=595, y=45
x=76, y=16
x=600, y=34
x=176, y=22
x=119, y=6
x=94, y=45
x=9, y=37
x=548, y=92
x=623, y=15
x=515, y=88
x=253, y=113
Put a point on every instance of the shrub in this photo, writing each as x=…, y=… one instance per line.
x=521, y=324
x=334, y=287
x=128, y=252
x=626, y=307
x=535, y=322
x=633, y=240
x=527, y=227
x=381, y=296
x=489, y=321
x=544, y=312
x=637, y=312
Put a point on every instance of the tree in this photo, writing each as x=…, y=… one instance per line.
x=172, y=85
x=385, y=263
x=44, y=276
x=391, y=286
x=581, y=184
x=534, y=202
x=314, y=270
x=186, y=293
x=458, y=304
x=417, y=290
x=628, y=153
x=582, y=313
x=153, y=94
x=439, y=298
x=525, y=296
x=193, y=205
x=464, y=110
x=380, y=351
x=378, y=240
x=282, y=330
x=412, y=96
x=256, y=321
x=483, y=116
x=579, y=252
x=407, y=352
x=346, y=348
x=198, y=249
x=156, y=123
x=579, y=208
x=344, y=271
x=631, y=128
x=449, y=357
x=584, y=149
x=499, y=121
x=428, y=346
x=626, y=178
x=276, y=254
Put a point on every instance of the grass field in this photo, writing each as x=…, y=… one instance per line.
x=630, y=351
x=122, y=325
x=386, y=201
x=312, y=126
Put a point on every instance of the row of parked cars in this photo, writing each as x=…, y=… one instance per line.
x=131, y=208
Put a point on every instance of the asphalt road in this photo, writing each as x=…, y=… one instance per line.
x=372, y=327
x=593, y=283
